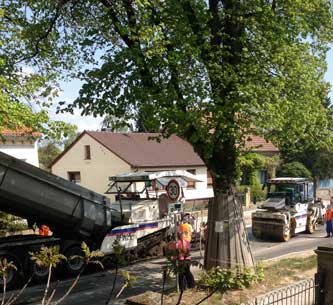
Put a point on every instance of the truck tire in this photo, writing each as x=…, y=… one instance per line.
x=285, y=234
x=75, y=262
x=310, y=228
x=13, y=275
x=39, y=274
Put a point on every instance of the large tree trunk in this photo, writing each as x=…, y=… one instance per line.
x=228, y=245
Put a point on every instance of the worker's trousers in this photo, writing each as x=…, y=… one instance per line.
x=329, y=227
x=186, y=279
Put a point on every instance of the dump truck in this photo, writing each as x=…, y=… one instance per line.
x=75, y=214
x=288, y=209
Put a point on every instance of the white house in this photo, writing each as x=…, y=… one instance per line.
x=20, y=144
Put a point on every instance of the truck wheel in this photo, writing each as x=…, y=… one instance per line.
x=13, y=275
x=310, y=228
x=285, y=234
x=75, y=262
x=38, y=273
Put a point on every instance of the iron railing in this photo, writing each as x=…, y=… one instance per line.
x=300, y=293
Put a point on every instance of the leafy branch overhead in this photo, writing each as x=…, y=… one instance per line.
x=209, y=71
x=27, y=88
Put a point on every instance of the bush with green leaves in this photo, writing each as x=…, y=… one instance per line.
x=10, y=223
x=293, y=169
x=219, y=279
x=258, y=193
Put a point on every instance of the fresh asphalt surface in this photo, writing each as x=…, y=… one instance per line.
x=95, y=288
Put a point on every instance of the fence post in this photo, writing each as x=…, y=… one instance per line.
x=319, y=288
x=324, y=294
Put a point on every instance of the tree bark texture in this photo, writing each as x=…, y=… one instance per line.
x=228, y=245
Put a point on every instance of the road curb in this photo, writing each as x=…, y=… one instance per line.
x=291, y=255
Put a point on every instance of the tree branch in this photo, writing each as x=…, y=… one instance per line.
x=196, y=28
x=45, y=35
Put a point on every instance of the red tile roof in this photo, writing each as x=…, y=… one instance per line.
x=259, y=144
x=137, y=150
x=18, y=132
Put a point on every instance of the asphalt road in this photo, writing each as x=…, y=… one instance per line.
x=95, y=288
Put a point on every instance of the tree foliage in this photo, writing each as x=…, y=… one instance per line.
x=27, y=89
x=317, y=157
x=293, y=169
x=10, y=223
x=190, y=66
x=50, y=148
x=47, y=153
x=213, y=72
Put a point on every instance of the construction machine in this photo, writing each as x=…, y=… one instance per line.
x=288, y=209
x=147, y=209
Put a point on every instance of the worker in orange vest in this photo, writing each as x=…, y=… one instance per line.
x=328, y=219
x=44, y=230
x=186, y=229
x=179, y=252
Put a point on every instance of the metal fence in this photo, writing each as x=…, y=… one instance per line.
x=300, y=293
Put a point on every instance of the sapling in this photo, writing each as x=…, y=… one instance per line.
x=5, y=267
x=48, y=257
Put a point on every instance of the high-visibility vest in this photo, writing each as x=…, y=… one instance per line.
x=44, y=230
x=329, y=215
x=179, y=249
x=186, y=230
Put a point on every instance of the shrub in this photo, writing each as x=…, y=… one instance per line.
x=225, y=279
x=293, y=169
x=258, y=192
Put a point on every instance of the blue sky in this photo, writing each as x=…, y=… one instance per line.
x=70, y=91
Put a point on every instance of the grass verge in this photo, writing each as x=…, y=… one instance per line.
x=278, y=273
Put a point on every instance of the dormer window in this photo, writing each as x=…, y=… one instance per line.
x=87, y=154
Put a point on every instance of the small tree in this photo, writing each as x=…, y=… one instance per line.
x=128, y=282
x=48, y=257
x=117, y=259
x=47, y=153
x=89, y=257
x=5, y=267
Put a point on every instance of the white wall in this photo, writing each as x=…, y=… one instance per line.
x=95, y=172
x=21, y=149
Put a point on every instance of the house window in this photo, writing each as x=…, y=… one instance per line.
x=191, y=184
x=87, y=155
x=209, y=179
x=74, y=177
x=262, y=176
